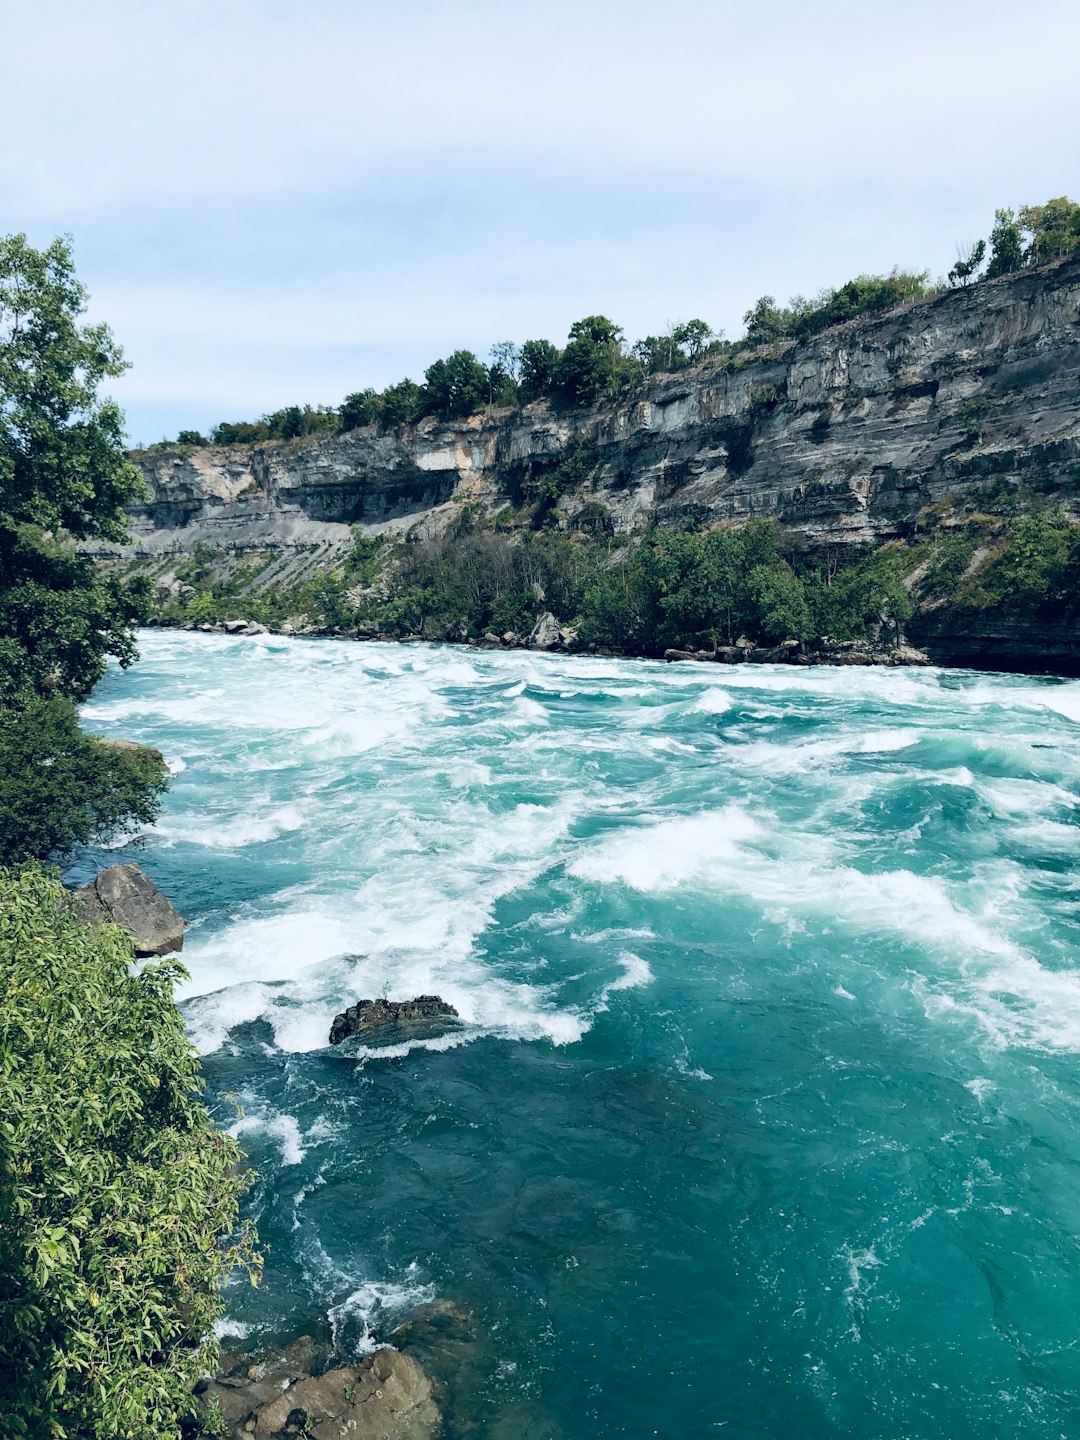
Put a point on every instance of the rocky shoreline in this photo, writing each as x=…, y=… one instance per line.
x=548, y=635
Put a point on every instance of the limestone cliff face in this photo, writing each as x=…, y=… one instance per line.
x=842, y=438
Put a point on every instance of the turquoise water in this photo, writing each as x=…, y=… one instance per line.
x=764, y=1119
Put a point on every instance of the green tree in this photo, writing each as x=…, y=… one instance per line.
x=766, y=323
x=117, y=1194
x=360, y=409
x=1006, y=245
x=191, y=437
x=64, y=476
x=1054, y=229
x=590, y=362
x=240, y=432
x=539, y=369
x=967, y=264
x=400, y=403
x=455, y=387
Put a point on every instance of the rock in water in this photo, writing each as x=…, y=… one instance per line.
x=386, y=1021
x=385, y=1396
x=124, y=896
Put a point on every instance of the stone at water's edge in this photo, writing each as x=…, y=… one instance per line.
x=122, y=895
x=388, y=1020
x=384, y=1396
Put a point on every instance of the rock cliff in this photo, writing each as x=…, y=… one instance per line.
x=845, y=437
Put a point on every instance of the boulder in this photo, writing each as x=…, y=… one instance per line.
x=234, y=627
x=384, y=1396
x=122, y=895
x=388, y=1022
x=545, y=633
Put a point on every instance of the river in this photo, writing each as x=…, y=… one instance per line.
x=763, y=1118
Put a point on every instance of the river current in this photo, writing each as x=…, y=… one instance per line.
x=763, y=1119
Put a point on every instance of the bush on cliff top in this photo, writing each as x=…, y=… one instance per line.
x=116, y=1191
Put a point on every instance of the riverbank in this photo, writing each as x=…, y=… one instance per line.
x=549, y=637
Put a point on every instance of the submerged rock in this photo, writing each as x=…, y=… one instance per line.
x=122, y=895
x=386, y=1021
x=301, y=1391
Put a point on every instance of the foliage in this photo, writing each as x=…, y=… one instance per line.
x=1006, y=245
x=539, y=369
x=60, y=787
x=360, y=409
x=116, y=1191
x=1053, y=228
x=191, y=437
x=590, y=361
x=63, y=473
x=64, y=476
x=455, y=387
x=59, y=616
x=683, y=345
x=400, y=404
x=967, y=264
x=62, y=460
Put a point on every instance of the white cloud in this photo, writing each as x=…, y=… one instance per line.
x=281, y=199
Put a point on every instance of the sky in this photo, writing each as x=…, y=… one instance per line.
x=276, y=202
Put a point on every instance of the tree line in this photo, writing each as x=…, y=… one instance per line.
x=597, y=361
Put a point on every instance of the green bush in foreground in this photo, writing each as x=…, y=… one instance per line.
x=118, y=1197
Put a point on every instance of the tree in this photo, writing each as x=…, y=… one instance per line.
x=116, y=1190
x=766, y=323
x=590, y=361
x=539, y=369
x=967, y=263
x=240, y=432
x=455, y=387
x=1054, y=229
x=63, y=465
x=692, y=336
x=64, y=476
x=505, y=356
x=1006, y=245
x=191, y=437
x=400, y=403
x=360, y=409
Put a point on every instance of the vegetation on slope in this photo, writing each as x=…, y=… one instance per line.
x=597, y=362
x=997, y=550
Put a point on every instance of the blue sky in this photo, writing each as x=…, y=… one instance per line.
x=275, y=202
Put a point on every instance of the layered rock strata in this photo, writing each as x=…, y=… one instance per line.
x=843, y=438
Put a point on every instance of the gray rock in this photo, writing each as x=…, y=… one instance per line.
x=122, y=895
x=545, y=633
x=234, y=627
x=389, y=1021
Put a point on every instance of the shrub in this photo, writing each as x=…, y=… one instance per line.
x=116, y=1191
